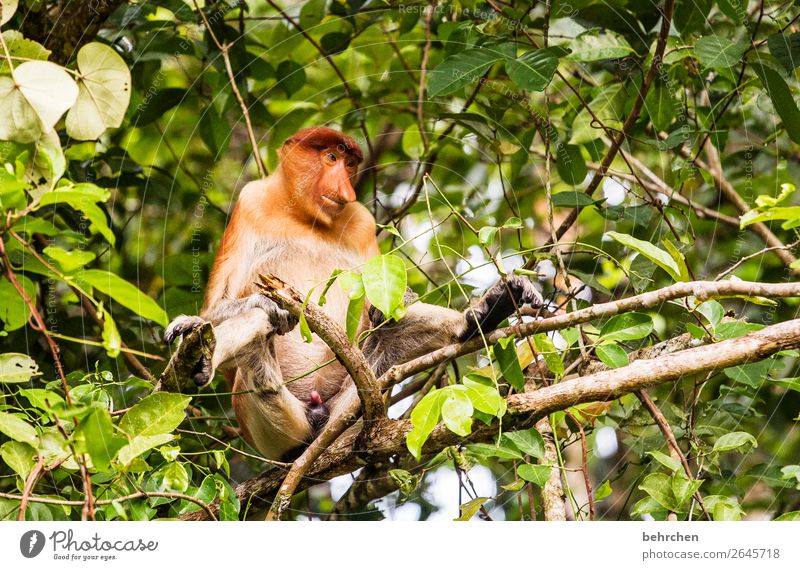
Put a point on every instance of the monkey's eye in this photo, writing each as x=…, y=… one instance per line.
x=331, y=156
x=351, y=163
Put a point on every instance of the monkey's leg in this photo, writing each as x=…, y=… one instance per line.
x=237, y=323
x=271, y=417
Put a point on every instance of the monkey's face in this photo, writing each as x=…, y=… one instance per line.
x=333, y=188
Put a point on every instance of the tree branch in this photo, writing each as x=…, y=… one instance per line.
x=389, y=437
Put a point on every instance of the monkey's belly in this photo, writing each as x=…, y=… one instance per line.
x=307, y=265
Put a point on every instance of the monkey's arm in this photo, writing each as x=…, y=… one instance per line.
x=425, y=327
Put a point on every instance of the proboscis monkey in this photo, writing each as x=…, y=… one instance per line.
x=300, y=223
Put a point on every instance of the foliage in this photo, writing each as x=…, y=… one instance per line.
x=119, y=167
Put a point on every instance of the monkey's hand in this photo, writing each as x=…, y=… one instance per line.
x=498, y=303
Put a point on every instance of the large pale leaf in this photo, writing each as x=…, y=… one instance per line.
x=9, y=7
x=104, y=92
x=48, y=89
x=16, y=367
x=18, y=120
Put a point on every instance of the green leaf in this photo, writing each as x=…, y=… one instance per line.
x=595, y=45
x=423, y=419
x=776, y=213
x=713, y=311
x=355, y=310
x=719, y=51
x=125, y=294
x=312, y=13
x=384, y=279
x=17, y=428
x=99, y=440
x=545, y=347
x=659, y=487
x=484, y=395
x=69, y=261
x=485, y=451
x=141, y=444
x=291, y=76
x=34, y=99
x=529, y=442
x=661, y=104
x=658, y=256
x=14, y=311
x=536, y=474
x=533, y=70
x=470, y=508
x=788, y=383
x=9, y=7
x=16, y=367
x=46, y=400
x=21, y=47
x=782, y=99
x=667, y=461
x=487, y=234
x=612, y=355
x=176, y=478
x=627, y=326
x=104, y=87
x=505, y=351
x=156, y=414
x=572, y=169
x=607, y=105
x=82, y=197
x=792, y=516
x=19, y=456
x=683, y=488
x=738, y=440
x=112, y=341
x=786, y=49
x=412, y=142
x=724, y=508
x=457, y=412
x=572, y=200
x=603, y=491
x=406, y=482
x=461, y=69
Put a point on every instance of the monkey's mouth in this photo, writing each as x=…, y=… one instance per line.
x=333, y=203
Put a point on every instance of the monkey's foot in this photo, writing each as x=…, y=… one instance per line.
x=180, y=326
x=500, y=302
